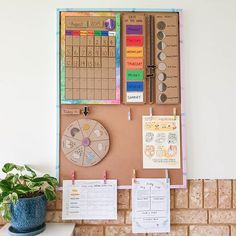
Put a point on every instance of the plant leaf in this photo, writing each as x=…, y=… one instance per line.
x=3, y=196
x=49, y=194
x=7, y=213
x=8, y=167
x=15, y=178
x=21, y=189
x=33, y=173
x=13, y=197
x=20, y=168
x=5, y=186
x=9, y=176
x=39, y=179
x=51, y=180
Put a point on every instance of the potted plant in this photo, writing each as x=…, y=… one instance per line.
x=23, y=197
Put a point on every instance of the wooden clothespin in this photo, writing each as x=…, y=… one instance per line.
x=150, y=111
x=134, y=175
x=73, y=177
x=166, y=175
x=174, y=112
x=104, y=176
x=129, y=114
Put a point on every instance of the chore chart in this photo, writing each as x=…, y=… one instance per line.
x=90, y=58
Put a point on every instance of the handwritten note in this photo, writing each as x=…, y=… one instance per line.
x=150, y=206
x=89, y=200
x=161, y=142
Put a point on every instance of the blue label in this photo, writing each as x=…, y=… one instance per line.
x=134, y=86
x=104, y=33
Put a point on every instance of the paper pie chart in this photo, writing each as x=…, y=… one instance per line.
x=85, y=142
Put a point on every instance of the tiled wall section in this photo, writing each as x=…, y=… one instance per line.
x=205, y=208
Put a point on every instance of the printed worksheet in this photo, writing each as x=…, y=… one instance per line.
x=161, y=142
x=150, y=205
x=89, y=200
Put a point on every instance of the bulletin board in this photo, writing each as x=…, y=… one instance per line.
x=114, y=67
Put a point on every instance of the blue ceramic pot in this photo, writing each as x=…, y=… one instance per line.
x=28, y=213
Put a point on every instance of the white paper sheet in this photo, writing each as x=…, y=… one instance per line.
x=89, y=200
x=161, y=142
x=150, y=205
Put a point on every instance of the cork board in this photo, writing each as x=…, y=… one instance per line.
x=147, y=56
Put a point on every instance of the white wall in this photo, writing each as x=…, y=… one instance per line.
x=28, y=81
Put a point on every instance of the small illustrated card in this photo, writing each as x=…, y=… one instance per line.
x=161, y=142
x=89, y=200
x=150, y=205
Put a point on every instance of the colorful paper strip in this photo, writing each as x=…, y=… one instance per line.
x=76, y=32
x=134, y=97
x=69, y=32
x=134, y=40
x=134, y=29
x=136, y=63
x=134, y=52
x=104, y=33
x=134, y=74
x=134, y=86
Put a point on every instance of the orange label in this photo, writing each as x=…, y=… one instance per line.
x=134, y=51
x=134, y=63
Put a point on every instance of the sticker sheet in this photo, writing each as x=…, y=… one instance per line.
x=161, y=142
x=150, y=206
x=89, y=200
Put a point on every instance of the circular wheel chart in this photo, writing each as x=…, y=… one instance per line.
x=85, y=142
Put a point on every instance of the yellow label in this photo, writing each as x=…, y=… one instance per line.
x=134, y=52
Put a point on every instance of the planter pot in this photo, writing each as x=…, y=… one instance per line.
x=28, y=214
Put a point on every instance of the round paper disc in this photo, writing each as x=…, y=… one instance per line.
x=85, y=142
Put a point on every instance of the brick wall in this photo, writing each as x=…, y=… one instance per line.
x=205, y=208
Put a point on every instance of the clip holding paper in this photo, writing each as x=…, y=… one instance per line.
x=150, y=111
x=174, y=112
x=134, y=175
x=104, y=176
x=73, y=177
x=167, y=175
x=129, y=114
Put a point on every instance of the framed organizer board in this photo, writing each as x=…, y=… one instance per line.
x=120, y=95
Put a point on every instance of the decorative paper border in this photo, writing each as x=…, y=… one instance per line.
x=62, y=15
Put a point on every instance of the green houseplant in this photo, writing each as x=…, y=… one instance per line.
x=23, y=197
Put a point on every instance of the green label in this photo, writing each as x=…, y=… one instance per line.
x=134, y=74
x=97, y=33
